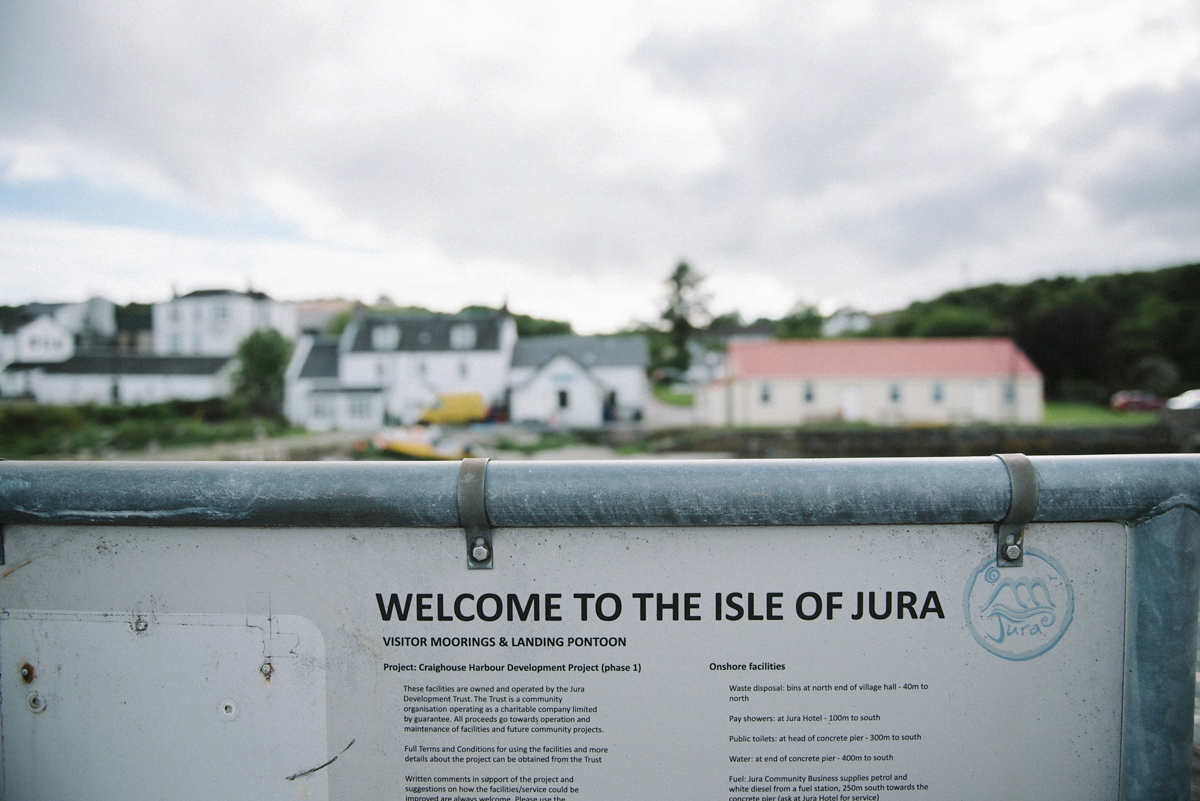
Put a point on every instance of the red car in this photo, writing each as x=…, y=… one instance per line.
x=1132, y=400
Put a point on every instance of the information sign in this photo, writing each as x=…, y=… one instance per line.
x=780, y=664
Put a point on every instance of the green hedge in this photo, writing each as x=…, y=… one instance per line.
x=29, y=430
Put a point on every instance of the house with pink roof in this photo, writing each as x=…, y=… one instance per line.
x=881, y=381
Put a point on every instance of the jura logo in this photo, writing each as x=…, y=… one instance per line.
x=1019, y=612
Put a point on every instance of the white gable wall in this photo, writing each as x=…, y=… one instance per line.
x=295, y=388
x=44, y=340
x=630, y=384
x=538, y=399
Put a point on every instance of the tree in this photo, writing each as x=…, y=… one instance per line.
x=686, y=310
x=538, y=327
x=262, y=359
x=953, y=321
x=803, y=322
x=527, y=326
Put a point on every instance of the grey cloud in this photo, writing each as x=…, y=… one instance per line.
x=1149, y=144
x=191, y=91
x=211, y=97
x=873, y=111
x=985, y=207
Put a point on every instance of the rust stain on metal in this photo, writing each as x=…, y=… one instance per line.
x=311, y=771
x=27, y=673
x=14, y=569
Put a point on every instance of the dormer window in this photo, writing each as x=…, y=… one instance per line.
x=385, y=337
x=462, y=336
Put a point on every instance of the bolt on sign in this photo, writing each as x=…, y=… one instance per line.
x=984, y=628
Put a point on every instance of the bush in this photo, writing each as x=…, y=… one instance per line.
x=31, y=430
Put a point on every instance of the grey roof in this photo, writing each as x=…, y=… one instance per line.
x=429, y=332
x=204, y=293
x=322, y=360
x=127, y=364
x=628, y=351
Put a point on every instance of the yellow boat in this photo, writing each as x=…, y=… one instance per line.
x=417, y=442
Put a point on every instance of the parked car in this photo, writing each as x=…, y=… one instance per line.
x=1188, y=400
x=1132, y=400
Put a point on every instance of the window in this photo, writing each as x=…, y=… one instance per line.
x=462, y=369
x=810, y=392
x=385, y=337
x=1010, y=392
x=564, y=400
x=322, y=407
x=421, y=368
x=764, y=393
x=462, y=336
x=894, y=393
x=360, y=406
x=939, y=392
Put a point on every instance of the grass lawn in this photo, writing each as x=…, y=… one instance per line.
x=666, y=395
x=546, y=441
x=1083, y=414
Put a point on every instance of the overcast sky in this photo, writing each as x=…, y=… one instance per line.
x=564, y=156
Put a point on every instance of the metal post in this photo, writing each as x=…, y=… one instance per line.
x=1160, y=647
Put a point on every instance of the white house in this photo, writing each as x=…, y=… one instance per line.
x=94, y=320
x=315, y=396
x=53, y=332
x=42, y=339
x=213, y=322
x=393, y=367
x=119, y=378
x=578, y=382
x=845, y=321
x=882, y=381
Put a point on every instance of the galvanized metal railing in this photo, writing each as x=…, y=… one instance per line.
x=1157, y=496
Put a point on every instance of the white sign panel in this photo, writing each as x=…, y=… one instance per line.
x=751, y=664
